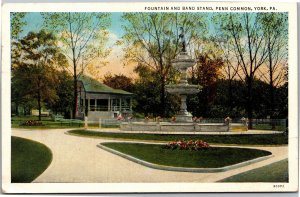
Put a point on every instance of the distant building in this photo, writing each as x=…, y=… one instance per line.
x=97, y=100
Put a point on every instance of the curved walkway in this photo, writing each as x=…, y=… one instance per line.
x=79, y=160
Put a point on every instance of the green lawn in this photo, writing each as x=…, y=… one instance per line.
x=48, y=123
x=28, y=159
x=269, y=127
x=276, y=172
x=266, y=139
x=213, y=157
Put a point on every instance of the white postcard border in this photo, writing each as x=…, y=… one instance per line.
x=291, y=8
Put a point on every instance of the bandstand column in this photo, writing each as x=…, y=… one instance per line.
x=109, y=105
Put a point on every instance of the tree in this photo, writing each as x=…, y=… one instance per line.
x=220, y=106
x=16, y=27
x=249, y=46
x=282, y=100
x=231, y=68
x=34, y=76
x=83, y=37
x=64, y=92
x=17, y=23
x=275, y=30
x=119, y=81
x=146, y=91
x=19, y=96
x=205, y=73
x=152, y=39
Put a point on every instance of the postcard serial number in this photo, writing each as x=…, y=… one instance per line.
x=278, y=186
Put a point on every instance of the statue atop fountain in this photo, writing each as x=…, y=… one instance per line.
x=182, y=62
x=182, y=40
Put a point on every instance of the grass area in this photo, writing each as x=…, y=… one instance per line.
x=269, y=127
x=48, y=123
x=276, y=172
x=213, y=157
x=264, y=139
x=28, y=159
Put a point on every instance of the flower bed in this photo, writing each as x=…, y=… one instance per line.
x=187, y=145
x=32, y=123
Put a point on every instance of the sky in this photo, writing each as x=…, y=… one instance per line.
x=115, y=66
x=35, y=21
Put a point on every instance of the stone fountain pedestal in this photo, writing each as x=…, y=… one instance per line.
x=182, y=62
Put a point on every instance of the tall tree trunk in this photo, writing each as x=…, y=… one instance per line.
x=230, y=95
x=74, y=85
x=75, y=95
x=162, y=97
x=73, y=46
x=249, y=106
x=17, y=108
x=272, y=106
x=271, y=86
x=39, y=105
x=204, y=97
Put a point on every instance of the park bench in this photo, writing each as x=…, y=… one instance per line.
x=57, y=117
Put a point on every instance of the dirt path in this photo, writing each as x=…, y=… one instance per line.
x=79, y=160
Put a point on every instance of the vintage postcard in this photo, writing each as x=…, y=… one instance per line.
x=149, y=97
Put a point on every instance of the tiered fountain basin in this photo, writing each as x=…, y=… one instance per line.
x=183, y=89
x=181, y=127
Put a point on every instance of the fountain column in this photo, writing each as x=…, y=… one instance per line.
x=182, y=62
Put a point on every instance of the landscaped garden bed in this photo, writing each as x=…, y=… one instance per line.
x=28, y=159
x=245, y=139
x=212, y=157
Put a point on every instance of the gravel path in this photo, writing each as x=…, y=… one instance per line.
x=79, y=160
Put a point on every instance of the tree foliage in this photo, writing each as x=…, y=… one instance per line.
x=152, y=40
x=17, y=23
x=249, y=46
x=82, y=36
x=275, y=32
x=147, y=94
x=64, y=92
x=245, y=55
x=34, y=75
x=205, y=73
x=119, y=81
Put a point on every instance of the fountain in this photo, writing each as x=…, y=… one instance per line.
x=183, y=122
x=182, y=62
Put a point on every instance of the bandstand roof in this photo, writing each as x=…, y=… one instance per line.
x=93, y=86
